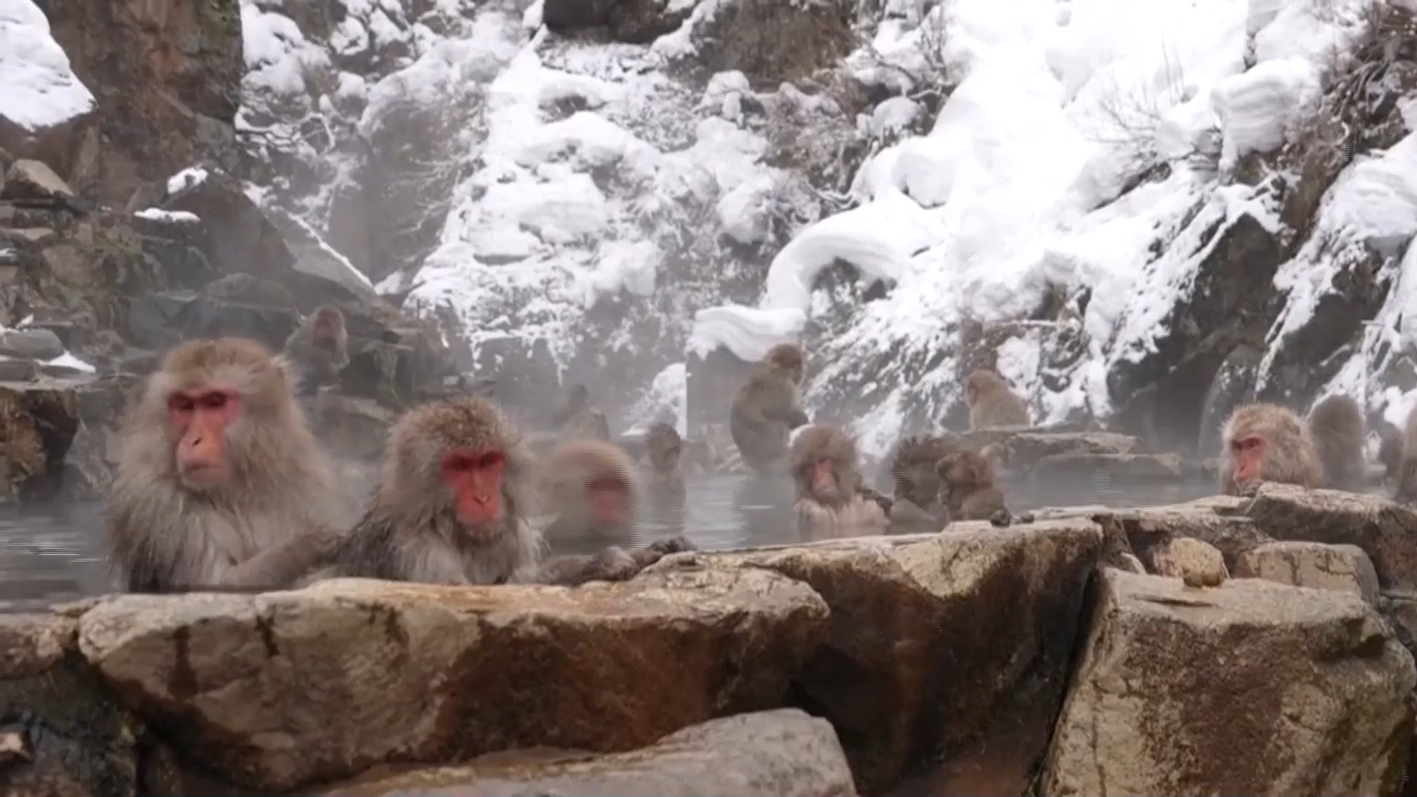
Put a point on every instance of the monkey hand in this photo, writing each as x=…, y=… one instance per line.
x=612, y=564
x=649, y=554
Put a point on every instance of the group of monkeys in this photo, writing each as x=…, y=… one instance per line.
x=222, y=485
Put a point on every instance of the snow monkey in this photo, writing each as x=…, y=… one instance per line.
x=917, y=486
x=830, y=501
x=967, y=487
x=319, y=347
x=574, y=416
x=664, y=476
x=992, y=402
x=1339, y=432
x=449, y=508
x=220, y=483
x=590, y=488
x=1267, y=443
x=768, y=407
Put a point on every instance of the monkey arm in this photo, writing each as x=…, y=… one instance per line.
x=572, y=570
x=280, y=566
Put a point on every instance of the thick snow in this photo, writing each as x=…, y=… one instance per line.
x=38, y=88
x=175, y=216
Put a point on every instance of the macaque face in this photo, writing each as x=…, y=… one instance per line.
x=822, y=479
x=475, y=479
x=1247, y=457
x=199, y=419
x=665, y=458
x=608, y=500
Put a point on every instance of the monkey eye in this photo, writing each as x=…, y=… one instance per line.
x=214, y=400
x=608, y=483
x=179, y=402
x=458, y=463
x=491, y=459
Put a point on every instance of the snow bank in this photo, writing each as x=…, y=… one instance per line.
x=1258, y=107
x=747, y=332
x=666, y=401
x=38, y=89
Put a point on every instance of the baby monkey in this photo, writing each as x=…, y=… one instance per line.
x=917, y=503
x=967, y=488
x=450, y=507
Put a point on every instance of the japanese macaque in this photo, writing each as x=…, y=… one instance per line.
x=967, y=488
x=450, y=503
x=1339, y=432
x=220, y=483
x=663, y=475
x=1405, y=489
x=591, y=489
x=767, y=408
x=1267, y=443
x=319, y=348
x=830, y=501
x=992, y=402
x=575, y=416
x=917, y=485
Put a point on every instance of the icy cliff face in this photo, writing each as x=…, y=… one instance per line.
x=1103, y=199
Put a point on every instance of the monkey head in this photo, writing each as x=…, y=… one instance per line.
x=981, y=382
x=913, y=466
x=327, y=328
x=460, y=458
x=592, y=485
x=824, y=465
x=787, y=358
x=964, y=469
x=211, y=399
x=1260, y=438
x=663, y=444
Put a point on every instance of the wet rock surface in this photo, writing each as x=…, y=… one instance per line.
x=768, y=753
x=1253, y=688
x=1313, y=564
x=947, y=653
x=364, y=672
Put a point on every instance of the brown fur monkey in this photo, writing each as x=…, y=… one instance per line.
x=576, y=417
x=664, y=475
x=1267, y=443
x=220, y=483
x=449, y=508
x=592, y=491
x=1339, y=433
x=917, y=485
x=967, y=487
x=830, y=499
x=319, y=348
x=768, y=407
x=992, y=402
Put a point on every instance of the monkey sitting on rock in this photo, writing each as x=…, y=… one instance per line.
x=917, y=505
x=967, y=488
x=768, y=408
x=319, y=348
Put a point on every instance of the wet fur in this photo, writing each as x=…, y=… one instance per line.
x=992, y=403
x=917, y=485
x=967, y=487
x=1339, y=432
x=164, y=537
x=852, y=512
x=1291, y=457
x=768, y=408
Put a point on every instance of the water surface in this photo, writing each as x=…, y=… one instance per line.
x=56, y=554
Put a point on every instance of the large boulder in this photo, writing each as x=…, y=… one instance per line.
x=948, y=654
x=360, y=672
x=1022, y=449
x=60, y=733
x=1252, y=688
x=167, y=77
x=1217, y=521
x=769, y=753
x=1313, y=564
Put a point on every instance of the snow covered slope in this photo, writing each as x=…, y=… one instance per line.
x=38, y=89
x=1102, y=198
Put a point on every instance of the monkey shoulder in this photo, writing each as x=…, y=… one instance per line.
x=370, y=550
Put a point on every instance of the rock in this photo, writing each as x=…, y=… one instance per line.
x=60, y=733
x=1212, y=521
x=629, y=21
x=30, y=344
x=352, y=428
x=381, y=370
x=1313, y=564
x=38, y=236
x=1105, y=471
x=18, y=370
x=238, y=238
x=1383, y=529
x=1023, y=449
x=1196, y=563
x=948, y=654
x=37, y=426
x=768, y=753
x=1253, y=688
x=318, y=259
x=32, y=180
x=167, y=78
x=1233, y=385
x=1131, y=564
x=366, y=671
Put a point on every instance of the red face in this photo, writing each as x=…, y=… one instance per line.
x=200, y=418
x=1247, y=455
x=609, y=505
x=823, y=480
x=475, y=478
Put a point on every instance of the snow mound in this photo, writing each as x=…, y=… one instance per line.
x=748, y=332
x=38, y=89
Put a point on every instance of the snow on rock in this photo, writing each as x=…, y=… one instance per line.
x=38, y=88
x=664, y=402
x=1258, y=107
x=185, y=179
x=748, y=332
x=173, y=216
